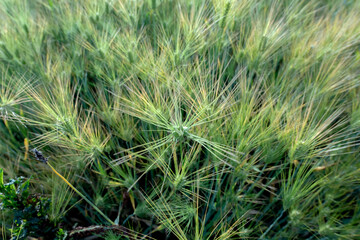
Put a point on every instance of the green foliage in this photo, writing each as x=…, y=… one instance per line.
x=114, y=236
x=183, y=119
x=29, y=211
x=61, y=234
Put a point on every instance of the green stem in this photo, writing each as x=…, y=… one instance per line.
x=272, y=225
x=81, y=195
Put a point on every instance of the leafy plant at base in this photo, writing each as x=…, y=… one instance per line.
x=30, y=211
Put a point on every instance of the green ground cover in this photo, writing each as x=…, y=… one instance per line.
x=180, y=119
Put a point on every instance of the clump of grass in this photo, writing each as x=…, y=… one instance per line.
x=221, y=119
x=40, y=157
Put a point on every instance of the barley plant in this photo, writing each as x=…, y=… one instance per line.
x=182, y=119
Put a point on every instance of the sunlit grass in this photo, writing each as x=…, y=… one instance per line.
x=180, y=119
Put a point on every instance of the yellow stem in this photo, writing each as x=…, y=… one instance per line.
x=81, y=195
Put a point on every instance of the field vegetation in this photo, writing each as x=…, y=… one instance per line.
x=180, y=119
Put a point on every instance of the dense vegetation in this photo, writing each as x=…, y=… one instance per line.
x=180, y=119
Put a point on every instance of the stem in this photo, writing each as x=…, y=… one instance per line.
x=272, y=225
x=81, y=195
x=176, y=165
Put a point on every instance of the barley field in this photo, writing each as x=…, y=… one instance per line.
x=180, y=119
